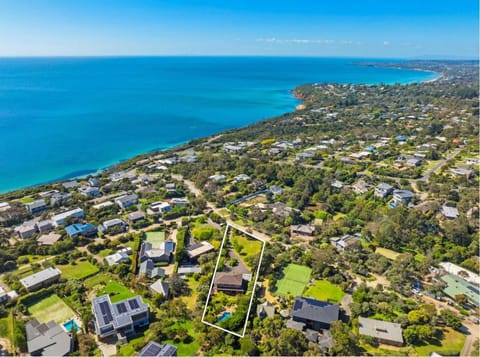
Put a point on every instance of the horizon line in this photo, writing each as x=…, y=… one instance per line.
x=420, y=58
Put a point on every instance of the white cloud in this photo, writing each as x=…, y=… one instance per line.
x=386, y=43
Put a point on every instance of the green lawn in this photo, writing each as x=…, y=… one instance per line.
x=387, y=253
x=32, y=258
x=294, y=281
x=325, y=291
x=155, y=238
x=246, y=247
x=191, y=299
x=51, y=308
x=450, y=345
x=100, y=279
x=117, y=291
x=81, y=270
x=4, y=329
x=186, y=349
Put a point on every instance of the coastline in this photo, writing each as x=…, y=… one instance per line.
x=180, y=146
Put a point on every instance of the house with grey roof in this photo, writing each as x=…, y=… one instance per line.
x=197, y=249
x=59, y=219
x=126, y=200
x=162, y=253
x=26, y=230
x=361, y=187
x=49, y=239
x=154, y=349
x=314, y=314
x=59, y=197
x=36, y=207
x=347, y=242
x=135, y=216
x=89, y=191
x=70, y=184
x=47, y=339
x=147, y=268
x=402, y=196
x=302, y=229
x=265, y=310
x=189, y=269
x=41, y=279
x=382, y=331
x=111, y=223
x=160, y=287
x=462, y=171
x=383, y=190
x=121, y=256
x=119, y=319
x=449, y=212
x=45, y=226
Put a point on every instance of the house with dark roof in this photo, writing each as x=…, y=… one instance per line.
x=302, y=229
x=121, y=318
x=382, y=331
x=154, y=349
x=314, y=314
x=229, y=283
x=47, y=339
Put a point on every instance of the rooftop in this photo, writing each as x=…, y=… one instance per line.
x=380, y=329
x=43, y=275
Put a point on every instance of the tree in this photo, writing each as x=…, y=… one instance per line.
x=290, y=343
x=248, y=347
x=177, y=285
x=451, y=319
x=345, y=342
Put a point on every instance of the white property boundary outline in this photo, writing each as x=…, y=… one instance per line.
x=230, y=225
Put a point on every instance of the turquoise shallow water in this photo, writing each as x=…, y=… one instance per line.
x=66, y=117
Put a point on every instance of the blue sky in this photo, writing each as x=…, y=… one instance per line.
x=369, y=28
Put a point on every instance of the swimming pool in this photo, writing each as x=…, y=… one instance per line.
x=70, y=325
x=224, y=316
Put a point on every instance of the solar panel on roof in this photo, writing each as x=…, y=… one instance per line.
x=168, y=350
x=152, y=350
x=121, y=308
x=298, y=304
x=105, y=309
x=474, y=289
x=133, y=304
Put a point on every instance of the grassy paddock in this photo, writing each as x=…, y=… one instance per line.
x=117, y=291
x=387, y=253
x=81, y=270
x=51, y=308
x=325, y=291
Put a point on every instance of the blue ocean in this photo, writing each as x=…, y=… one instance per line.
x=67, y=117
